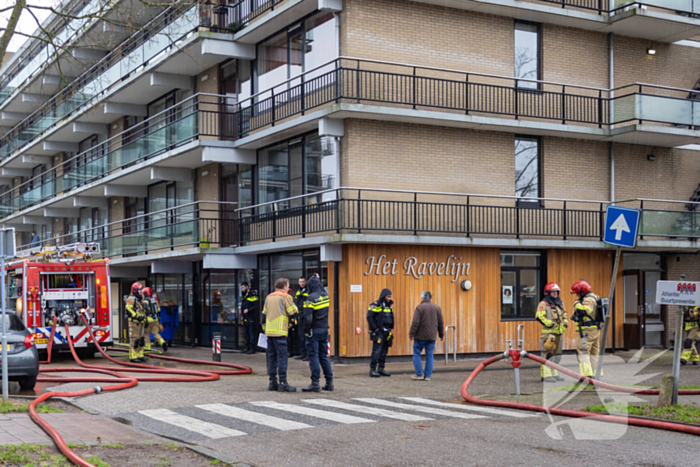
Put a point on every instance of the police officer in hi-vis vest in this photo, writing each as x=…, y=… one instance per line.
x=380, y=317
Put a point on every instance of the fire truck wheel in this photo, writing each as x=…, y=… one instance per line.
x=27, y=383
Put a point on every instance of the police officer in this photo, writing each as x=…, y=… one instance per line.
x=250, y=305
x=135, y=316
x=380, y=317
x=299, y=300
x=552, y=317
x=152, y=324
x=691, y=318
x=587, y=324
x=315, y=323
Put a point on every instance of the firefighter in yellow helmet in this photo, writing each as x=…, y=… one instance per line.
x=552, y=317
x=691, y=318
x=152, y=325
x=587, y=325
x=135, y=316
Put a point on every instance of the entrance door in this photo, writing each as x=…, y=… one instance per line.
x=644, y=326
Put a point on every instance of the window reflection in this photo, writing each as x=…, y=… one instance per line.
x=526, y=53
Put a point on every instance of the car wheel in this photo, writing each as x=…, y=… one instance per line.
x=27, y=383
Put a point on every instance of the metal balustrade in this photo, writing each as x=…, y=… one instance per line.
x=163, y=32
x=208, y=224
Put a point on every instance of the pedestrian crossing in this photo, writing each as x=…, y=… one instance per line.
x=216, y=421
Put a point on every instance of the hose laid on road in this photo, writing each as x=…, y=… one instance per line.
x=123, y=382
x=693, y=430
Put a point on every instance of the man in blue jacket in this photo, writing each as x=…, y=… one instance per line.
x=315, y=322
x=380, y=317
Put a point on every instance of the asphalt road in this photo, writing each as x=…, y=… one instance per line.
x=239, y=419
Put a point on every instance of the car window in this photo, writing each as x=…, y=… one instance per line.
x=13, y=323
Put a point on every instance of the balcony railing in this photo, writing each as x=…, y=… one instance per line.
x=41, y=52
x=195, y=117
x=428, y=88
x=198, y=224
x=163, y=32
x=358, y=210
x=207, y=224
x=612, y=7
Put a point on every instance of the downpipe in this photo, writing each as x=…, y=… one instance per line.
x=693, y=430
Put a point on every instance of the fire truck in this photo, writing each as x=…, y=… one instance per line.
x=61, y=283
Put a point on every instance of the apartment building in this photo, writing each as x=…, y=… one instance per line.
x=466, y=147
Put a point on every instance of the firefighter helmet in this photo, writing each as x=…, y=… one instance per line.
x=147, y=292
x=580, y=288
x=551, y=287
x=136, y=287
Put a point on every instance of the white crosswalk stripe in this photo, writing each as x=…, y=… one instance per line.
x=418, y=408
x=367, y=410
x=253, y=417
x=210, y=430
x=473, y=408
x=297, y=409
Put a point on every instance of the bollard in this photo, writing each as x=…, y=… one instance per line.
x=216, y=347
x=329, y=345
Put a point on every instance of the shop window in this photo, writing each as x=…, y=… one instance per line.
x=527, y=169
x=521, y=284
x=527, y=54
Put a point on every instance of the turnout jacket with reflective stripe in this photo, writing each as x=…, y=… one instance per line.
x=134, y=310
x=278, y=308
x=590, y=303
x=552, y=318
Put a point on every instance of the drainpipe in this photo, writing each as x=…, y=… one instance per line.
x=612, y=150
x=337, y=34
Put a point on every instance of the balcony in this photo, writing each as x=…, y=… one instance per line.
x=109, y=78
x=197, y=117
x=657, y=20
x=347, y=211
x=364, y=215
x=202, y=225
x=379, y=90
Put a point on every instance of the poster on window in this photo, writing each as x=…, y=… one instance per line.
x=507, y=298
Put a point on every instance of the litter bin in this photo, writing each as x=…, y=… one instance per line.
x=170, y=320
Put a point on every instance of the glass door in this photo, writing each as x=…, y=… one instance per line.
x=654, y=328
x=633, y=306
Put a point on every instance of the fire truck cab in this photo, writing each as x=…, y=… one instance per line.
x=56, y=286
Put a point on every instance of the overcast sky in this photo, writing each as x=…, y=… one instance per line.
x=27, y=24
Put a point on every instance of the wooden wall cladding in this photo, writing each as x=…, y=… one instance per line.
x=475, y=313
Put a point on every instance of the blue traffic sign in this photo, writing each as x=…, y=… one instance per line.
x=621, y=226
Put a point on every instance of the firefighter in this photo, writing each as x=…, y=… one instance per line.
x=135, y=316
x=152, y=324
x=380, y=317
x=314, y=320
x=551, y=314
x=249, y=310
x=300, y=298
x=587, y=325
x=691, y=318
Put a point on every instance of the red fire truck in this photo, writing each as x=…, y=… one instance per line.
x=61, y=283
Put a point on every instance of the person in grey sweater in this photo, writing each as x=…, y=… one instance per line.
x=427, y=324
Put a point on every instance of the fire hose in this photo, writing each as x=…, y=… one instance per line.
x=122, y=382
x=669, y=426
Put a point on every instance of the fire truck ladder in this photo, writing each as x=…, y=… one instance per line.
x=62, y=253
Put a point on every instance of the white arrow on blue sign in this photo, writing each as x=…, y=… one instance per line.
x=621, y=226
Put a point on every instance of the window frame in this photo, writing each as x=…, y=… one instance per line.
x=522, y=201
x=541, y=278
x=538, y=31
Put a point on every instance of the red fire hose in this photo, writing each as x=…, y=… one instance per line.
x=123, y=382
x=577, y=413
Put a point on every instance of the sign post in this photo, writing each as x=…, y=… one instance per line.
x=680, y=294
x=7, y=248
x=621, y=228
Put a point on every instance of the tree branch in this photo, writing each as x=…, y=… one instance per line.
x=10, y=30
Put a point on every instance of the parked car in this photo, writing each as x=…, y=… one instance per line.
x=22, y=355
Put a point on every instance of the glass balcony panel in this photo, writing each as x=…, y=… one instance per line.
x=670, y=223
x=664, y=109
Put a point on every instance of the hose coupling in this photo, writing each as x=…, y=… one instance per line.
x=98, y=389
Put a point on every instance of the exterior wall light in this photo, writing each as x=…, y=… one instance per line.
x=651, y=51
x=651, y=157
x=466, y=284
